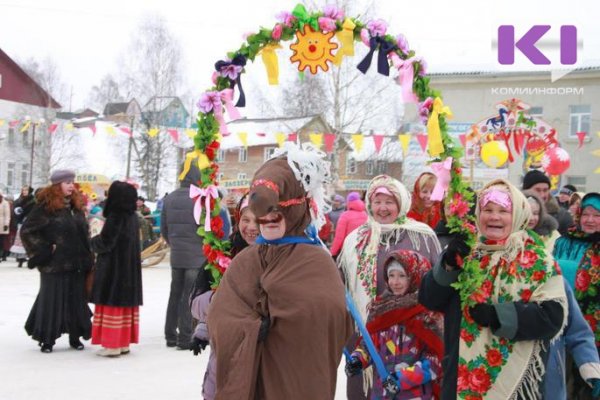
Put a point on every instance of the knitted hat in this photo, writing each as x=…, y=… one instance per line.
x=533, y=177
x=339, y=198
x=353, y=196
x=568, y=189
x=62, y=175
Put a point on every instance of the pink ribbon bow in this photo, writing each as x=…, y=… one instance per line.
x=226, y=96
x=197, y=193
x=442, y=171
x=406, y=76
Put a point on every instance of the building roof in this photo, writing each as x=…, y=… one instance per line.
x=261, y=131
x=115, y=108
x=13, y=91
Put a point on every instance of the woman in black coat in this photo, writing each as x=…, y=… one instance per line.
x=55, y=235
x=117, y=289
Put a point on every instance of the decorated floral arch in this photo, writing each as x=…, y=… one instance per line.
x=322, y=38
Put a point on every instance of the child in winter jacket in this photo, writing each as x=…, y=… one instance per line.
x=408, y=338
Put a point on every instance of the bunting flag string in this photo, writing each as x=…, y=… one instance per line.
x=329, y=142
x=405, y=142
x=280, y=138
x=357, y=139
x=244, y=138
x=316, y=139
x=378, y=140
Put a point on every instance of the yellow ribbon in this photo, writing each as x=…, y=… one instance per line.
x=269, y=57
x=436, y=147
x=25, y=126
x=198, y=155
x=346, y=39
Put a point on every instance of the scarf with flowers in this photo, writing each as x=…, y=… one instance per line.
x=517, y=269
x=587, y=277
x=361, y=269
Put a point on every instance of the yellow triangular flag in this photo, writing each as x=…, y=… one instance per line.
x=596, y=152
x=597, y=171
x=316, y=139
x=280, y=137
x=69, y=126
x=25, y=126
x=111, y=130
x=404, y=141
x=357, y=139
x=598, y=133
x=152, y=132
x=1, y=122
x=190, y=133
x=243, y=138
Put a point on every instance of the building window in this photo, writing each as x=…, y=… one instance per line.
x=243, y=155
x=578, y=181
x=269, y=151
x=11, y=136
x=370, y=167
x=25, y=138
x=24, y=174
x=350, y=166
x=242, y=175
x=580, y=117
x=537, y=112
x=221, y=155
x=10, y=174
x=381, y=167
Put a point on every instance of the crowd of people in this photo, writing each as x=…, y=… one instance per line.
x=277, y=324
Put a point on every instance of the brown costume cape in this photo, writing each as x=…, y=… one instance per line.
x=298, y=287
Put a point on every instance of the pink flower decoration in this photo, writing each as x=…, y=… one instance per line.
x=458, y=206
x=276, y=34
x=214, y=77
x=331, y=11
x=423, y=65
x=286, y=18
x=326, y=24
x=424, y=109
x=364, y=37
x=377, y=27
x=402, y=43
x=231, y=71
x=208, y=101
x=223, y=261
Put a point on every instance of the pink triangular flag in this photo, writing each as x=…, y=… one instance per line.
x=261, y=134
x=581, y=136
x=463, y=139
x=292, y=137
x=422, y=138
x=93, y=128
x=126, y=130
x=52, y=127
x=329, y=142
x=378, y=140
x=13, y=123
x=174, y=134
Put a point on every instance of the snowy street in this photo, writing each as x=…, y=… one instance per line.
x=150, y=371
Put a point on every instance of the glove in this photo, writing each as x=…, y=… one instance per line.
x=595, y=383
x=456, y=251
x=264, y=329
x=197, y=345
x=353, y=366
x=18, y=210
x=485, y=315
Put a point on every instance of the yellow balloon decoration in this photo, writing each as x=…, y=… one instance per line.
x=494, y=154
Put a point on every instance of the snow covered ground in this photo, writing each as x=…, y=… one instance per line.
x=150, y=371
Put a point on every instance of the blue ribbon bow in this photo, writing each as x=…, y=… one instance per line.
x=238, y=60
x=383, y=67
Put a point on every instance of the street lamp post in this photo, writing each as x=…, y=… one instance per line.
x=130, y=146
x=31, y=156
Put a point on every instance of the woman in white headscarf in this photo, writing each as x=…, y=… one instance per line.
x=365, y=250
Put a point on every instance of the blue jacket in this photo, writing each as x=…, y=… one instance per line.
x=568, y=252
x=578, y=339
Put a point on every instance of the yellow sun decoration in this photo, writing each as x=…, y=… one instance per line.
x=313, y=50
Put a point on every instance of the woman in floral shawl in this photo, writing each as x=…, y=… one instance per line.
x=366, y=248
x=578, y=254
x=513, y=303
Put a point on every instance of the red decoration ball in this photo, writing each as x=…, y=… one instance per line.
x=556, y=161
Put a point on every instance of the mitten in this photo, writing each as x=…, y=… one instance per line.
x=485, y=315
x=456, y=251
x=353, y=366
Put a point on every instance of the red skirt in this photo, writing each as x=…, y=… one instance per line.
x=115, y=327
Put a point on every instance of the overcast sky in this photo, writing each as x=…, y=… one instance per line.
x=85, y=37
